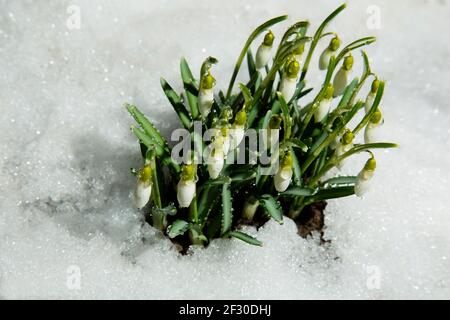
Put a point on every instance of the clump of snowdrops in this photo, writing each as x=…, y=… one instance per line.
x=197, y=201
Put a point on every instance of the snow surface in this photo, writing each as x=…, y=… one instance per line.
x=66, y=151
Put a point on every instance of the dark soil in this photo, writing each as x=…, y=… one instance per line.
x=312, y=219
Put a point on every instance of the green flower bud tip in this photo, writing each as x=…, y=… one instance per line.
x=334, y=44
x=275, y=122
x=300, y=49
x=347, y=138
x=188, y=172
x=375, y=85
x=376, y=117
x=268, y=39
x=145, y=173
x=348, y=62
x=241, y=118
x=208, y=81
x=329, y=92
x=292, y=69
x=287, y=161
x=370, y=165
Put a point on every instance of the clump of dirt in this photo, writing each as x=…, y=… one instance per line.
x=312, y=219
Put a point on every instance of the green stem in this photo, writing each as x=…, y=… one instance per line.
x=249, y=41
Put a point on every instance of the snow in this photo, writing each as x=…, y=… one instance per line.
x=67, y=225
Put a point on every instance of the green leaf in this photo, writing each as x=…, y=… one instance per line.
x=250, y=63
x=227, y=214
x=148, y=127
x=296, y=191
x=272, y=207
x=177, y=104
x=244, y=237
x=243, y=176
x=189, y=84
x=331, y=193
x=249, y=41
x=208, y=200
x=368, y=146
x=177, y=228
x=339, y=181
x=147, y=140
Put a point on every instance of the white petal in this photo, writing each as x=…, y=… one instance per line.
x=324, y=59
x=371, y=133
x=142, y=194
x=362, y=184
x=322, y=110
x=250, y=209
x=262, y=56
x=237, y=135
x=185, y=193
x=205, y=101
x=287, y=88
x=369, y=102
x=282, y=179
x=340, y=82
x=215, y=165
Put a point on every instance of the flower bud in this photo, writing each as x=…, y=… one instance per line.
x=272, y=136
x=345, y=144
x=324, y=105
x=364, y=176
x=237, y=131
x=372, y=128
x=206, y=94
x=143, y=189
x=283, y=177
x=263, y=53
x=325, y=57
x=250, y=207
x=289, y=79
x=186, y=186
x=341, y=78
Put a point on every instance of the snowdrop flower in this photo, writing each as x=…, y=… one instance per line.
x=143, y=187
x=324, y=105
x=272, y=136
x=186, y=186
x=345, y=144
x=341, y=77
x=372, y=128
x=283, y=177
x=237, y=131
x=216, y=156
x=250, y=207
x=289, y=79
x=364, y=176
x=324, y=59
x=206, y=94
x=371, y=96
x=263, y=53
